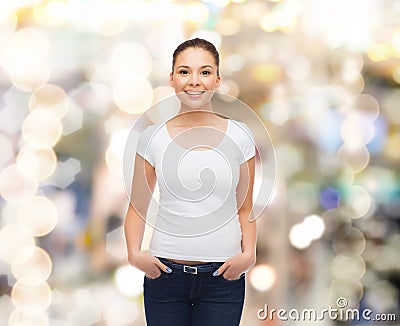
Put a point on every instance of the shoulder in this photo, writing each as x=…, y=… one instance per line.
x=150, y=132
x=240, y=129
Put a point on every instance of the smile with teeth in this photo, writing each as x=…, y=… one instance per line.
x=194, y=92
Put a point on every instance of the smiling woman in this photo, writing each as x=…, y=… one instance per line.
x=204, y=238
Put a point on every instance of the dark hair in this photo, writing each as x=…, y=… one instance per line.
x=197, y=43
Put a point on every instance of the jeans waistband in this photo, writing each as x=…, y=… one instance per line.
x=191, y=269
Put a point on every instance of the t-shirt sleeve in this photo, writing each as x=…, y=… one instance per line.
x=248, y=148
x=144, y=148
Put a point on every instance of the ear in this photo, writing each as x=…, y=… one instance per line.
x=171, y=80
x=218, y=82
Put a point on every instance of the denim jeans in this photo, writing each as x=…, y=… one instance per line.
x=184, y=299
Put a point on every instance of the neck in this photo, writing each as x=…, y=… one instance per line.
x=196, y=117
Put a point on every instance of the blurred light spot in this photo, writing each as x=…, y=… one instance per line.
x=30, y=291
x=28, y=315
x=380, y=52
x=118, y=141
x=315, y=226
x=289, y=159
x=299, y=236
x=115, y=243
x=233, y=63
x=38, y=75
x=129, y=280
x=65, y=173
x=122, y=312
x=52, y=13
x=358, y=158
x=50, y=97
x=303, y=197
x=334, y=220
x=338, y=172
x=230, y=88
x=348, y=241
x=329, y=198
x=390, y=106
x=23, y=57
x=24, y=47
x=36, y=164
x=269, y=22
x=392, y=146
x=381, y=183
x=14, y=187
x=114, y=162
x=367, y=105
x=94, y=97
x=396, y=45
x=72, y=120
x=298, y=68
x=351, y=290
x=196, y=12
x=32, y=262
x=133, y=96
x=396, y=75
x=162, y=92
x=13, y=238
x=266, y=73
x=41, y=129
x=131, y=60
x=86, y=310
x=346, y=65
x=382, y=295
x=107, y=17
x=262, y=277
x=375, y=228
x=6, y=150
x=326, y=136
x=11, y=119
x=348, y=268
x=8, y=20
x=357, y=131
x=220, y=3
x=355, y=201
x=356, y=86
x=114, y=123
x=384, y=258
x=228, y=26
x=39, y=215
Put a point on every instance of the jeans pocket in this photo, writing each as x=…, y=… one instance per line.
x=242, y=276
x=154, y=279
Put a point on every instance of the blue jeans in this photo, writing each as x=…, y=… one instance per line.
x=185, y=299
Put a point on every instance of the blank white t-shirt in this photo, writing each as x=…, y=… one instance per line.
x=197, y=215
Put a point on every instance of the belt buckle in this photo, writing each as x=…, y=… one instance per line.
x=190, y=269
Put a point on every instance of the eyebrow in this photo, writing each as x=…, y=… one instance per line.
x=205, y=66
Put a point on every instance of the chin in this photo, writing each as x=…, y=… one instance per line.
x=197, y=101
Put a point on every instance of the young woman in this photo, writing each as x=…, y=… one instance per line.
x=204, y=239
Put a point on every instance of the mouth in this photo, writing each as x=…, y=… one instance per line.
x=194, y=93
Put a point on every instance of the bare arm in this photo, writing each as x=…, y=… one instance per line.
x=240, y=263
x=144, y=180
x=245, y=211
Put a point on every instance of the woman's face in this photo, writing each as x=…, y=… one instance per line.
x=195, y=77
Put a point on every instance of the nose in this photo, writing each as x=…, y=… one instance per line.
x=194, y=80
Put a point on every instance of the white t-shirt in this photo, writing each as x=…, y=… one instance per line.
x=197, y=215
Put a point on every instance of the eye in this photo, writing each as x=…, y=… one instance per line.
x=205, y=72
x=183, y=72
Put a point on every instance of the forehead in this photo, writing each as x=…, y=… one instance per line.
x=194, y=57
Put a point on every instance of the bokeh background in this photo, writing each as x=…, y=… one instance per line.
x=322, y=75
